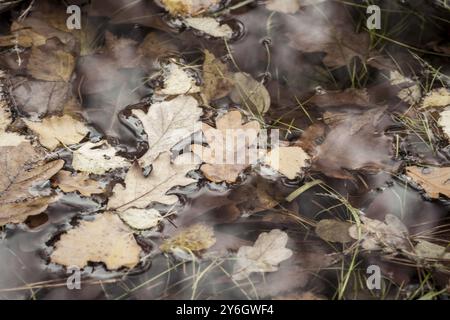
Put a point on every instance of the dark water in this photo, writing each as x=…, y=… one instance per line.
x=259, y=48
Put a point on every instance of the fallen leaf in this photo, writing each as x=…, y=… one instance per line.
x=210, y=26
x=288, y=161
x=194, y=238
x=429, y=250
x=189, y=7
x=7, y=139
x=333, y=230
x=264, y=256
x=21, y=36
x=167, y=123
x=177, y=81
x=444, y=122
x=348, y=97
x=437, y=98
x=50, y=65
x=216, y=156
x=38, y=97
x=155, y=45
x=216, y=78
x=140, y=191
x=410, y=90
x=80, y=182
x=332, y=32
x=97, y=158
x=389, y=236
x=106, y=239
x=434, y=180
x=141, y=219
x=54, y=131
x=22, y=169
x=250, y=93
x=355, y=143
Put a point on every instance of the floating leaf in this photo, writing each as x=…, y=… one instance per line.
x=187, y=7
x=216, y=78
x=177, y=81
x=264, y=256
x=140, y=191
x=106, y=239
x=141, y=219
x=56, y=130
x=80, y=182
x=167, y=123
x=21, y=169
x=437, y=98
x=434, y=180
x=195, y=238
x=229, y=127
x=210, y=26
x=333, y=230
x=97, y=158
x=288, y=161
x=250, y=93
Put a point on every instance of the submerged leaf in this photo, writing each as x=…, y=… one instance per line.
x=187, y=7
x=141, y=219
x=106, y=239
x=268, y=251
x=333, y=230
x=216, y=78
x=250, y=93
x=51, y=65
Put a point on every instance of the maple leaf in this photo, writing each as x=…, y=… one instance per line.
x=140, y=191
x=229, y=130
x=166, y=123
x=264, y=256
x=22, y=168
x=106, y=239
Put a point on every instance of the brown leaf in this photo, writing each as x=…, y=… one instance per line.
x=333, y=230
x=106, y=239
x=216, y=78
x=194, y=238
x=22, y=168
x=50, y=65
x=80, y=182
x=250, y=93
x=434, y=180
x=185, y=8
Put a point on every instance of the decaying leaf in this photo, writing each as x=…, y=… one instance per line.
x=194, y=238
x=140, y=191
x=289, y=6
x=250, y=93
x=54, y=131
x=219, y=167
x=333, y=230
x=141, y=219
x=106, y=239
x=389, y=236
x=428, y=250
x=187, y=7
x=50, y=65
x=80, y=182
x=21, y=171
x=217, y=81
x=24, y=37
x=288, y=161
x=434, y=180
x=97, y=158
x=177, y=81
x=268, y=251
x=166, y=123
x=313, y=30
x=410, y=92
x=210, y=26
x=7, y=139
x=444, y=122
x=437, y=98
